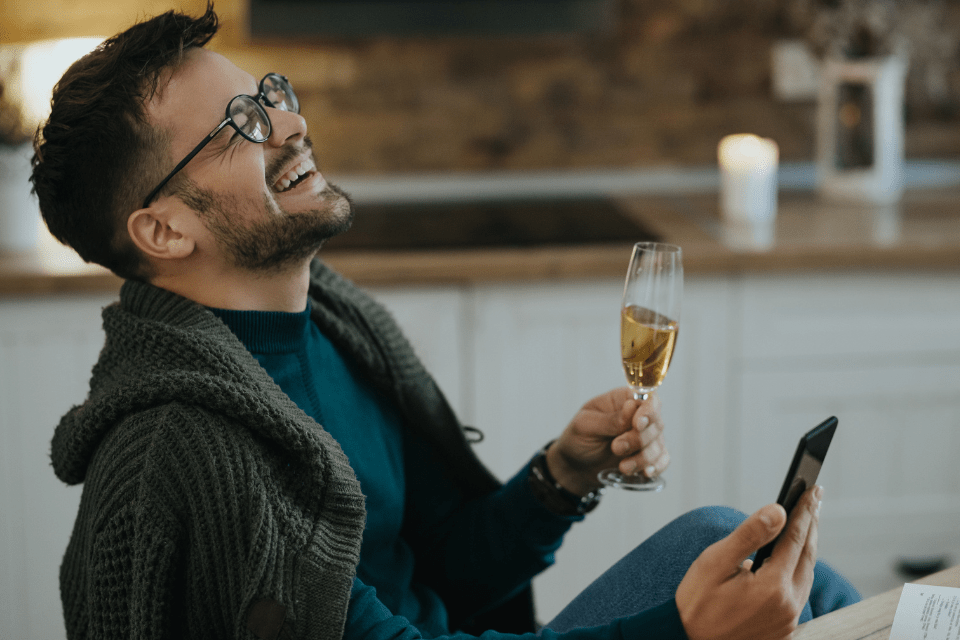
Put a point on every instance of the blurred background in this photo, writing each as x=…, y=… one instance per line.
x=547, y=84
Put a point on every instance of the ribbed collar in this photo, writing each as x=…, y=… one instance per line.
x=267, y=331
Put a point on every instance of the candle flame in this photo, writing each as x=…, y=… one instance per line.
x=746, y=151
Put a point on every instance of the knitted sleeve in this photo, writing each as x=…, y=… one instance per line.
x=130, y=587
x=119, y=569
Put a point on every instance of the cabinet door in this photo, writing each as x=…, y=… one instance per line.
x=540, y=351
x=47, y=349
x=432, y=319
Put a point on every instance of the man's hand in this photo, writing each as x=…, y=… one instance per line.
x=611, y=430
x=721, y=599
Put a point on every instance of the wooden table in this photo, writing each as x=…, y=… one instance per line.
x=870, y=619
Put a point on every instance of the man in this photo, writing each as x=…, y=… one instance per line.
x=262, y=453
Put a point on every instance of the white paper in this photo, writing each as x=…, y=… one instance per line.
x=927, y=613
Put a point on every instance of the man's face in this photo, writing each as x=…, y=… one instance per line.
x=241, y=190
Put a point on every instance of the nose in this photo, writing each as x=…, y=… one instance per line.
x=286, y=127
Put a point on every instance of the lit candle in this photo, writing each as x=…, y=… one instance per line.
x=748, y=178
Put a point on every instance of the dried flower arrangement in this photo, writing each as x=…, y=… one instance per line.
x=860, y=28
x=925, y=31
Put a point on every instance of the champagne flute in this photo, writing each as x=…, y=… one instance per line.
x=649, y=322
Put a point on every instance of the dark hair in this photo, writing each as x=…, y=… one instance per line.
x=97, y=156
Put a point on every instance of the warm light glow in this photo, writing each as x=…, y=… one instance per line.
x=748, y=152
x=40, y=66
x=29, y=73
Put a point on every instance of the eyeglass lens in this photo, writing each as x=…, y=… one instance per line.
x=278, y=93
x=250, y=118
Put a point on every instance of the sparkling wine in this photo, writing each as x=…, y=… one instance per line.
x=647, y=340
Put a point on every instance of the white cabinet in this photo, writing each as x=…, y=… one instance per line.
x=538, y=353
x=435, y=321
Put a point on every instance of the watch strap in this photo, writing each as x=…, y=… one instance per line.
x=552, y=494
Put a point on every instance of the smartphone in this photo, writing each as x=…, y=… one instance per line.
x=803, y=473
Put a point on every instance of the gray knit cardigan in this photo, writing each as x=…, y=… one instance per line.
x=213, y=507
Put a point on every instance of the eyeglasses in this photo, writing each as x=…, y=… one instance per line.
x=246, y=115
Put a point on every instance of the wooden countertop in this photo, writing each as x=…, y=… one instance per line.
x=920, y=233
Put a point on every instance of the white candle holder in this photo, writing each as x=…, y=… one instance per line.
x=860, y=137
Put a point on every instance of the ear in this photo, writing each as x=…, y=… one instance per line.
x=160, y=231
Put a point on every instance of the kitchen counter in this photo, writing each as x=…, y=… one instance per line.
x=920, y=233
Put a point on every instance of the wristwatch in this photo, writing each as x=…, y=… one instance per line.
x=553, y=496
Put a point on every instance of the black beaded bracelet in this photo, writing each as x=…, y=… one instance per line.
x=553, y=496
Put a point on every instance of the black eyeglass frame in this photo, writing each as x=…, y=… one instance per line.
x=254, y=101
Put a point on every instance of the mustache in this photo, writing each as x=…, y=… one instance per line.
x=275, y=168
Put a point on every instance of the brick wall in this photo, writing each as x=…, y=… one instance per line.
x=662, y=88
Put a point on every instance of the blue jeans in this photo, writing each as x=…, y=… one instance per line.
x=649, y=575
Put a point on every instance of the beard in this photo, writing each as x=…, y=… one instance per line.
x=275, y=239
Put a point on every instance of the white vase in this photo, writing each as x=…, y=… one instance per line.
x=860, y=129
x=19, y=210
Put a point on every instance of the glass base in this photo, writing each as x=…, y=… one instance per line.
x=634, y=482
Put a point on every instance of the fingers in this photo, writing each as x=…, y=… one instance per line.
x=640, y=425
x=651, y=461
x=612, y=414
x=808, y=554
x=754, y=532
x=639, y=432
x=642, y=447
x=803, y=576
x=616, y=425
x=796, y=550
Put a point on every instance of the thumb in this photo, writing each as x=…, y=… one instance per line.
x=754, y=532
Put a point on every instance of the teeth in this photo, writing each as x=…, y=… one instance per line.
x=293, y=174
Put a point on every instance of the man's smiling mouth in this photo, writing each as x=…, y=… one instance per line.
x=295, y=176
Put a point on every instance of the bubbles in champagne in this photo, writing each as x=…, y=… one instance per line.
x=647, y=340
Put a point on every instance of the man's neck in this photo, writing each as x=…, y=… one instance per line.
x=243, y=290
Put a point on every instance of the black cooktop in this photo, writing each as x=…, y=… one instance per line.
x=491, y=223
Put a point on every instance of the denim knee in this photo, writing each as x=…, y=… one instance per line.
x=649, y=575
x=702, y=527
